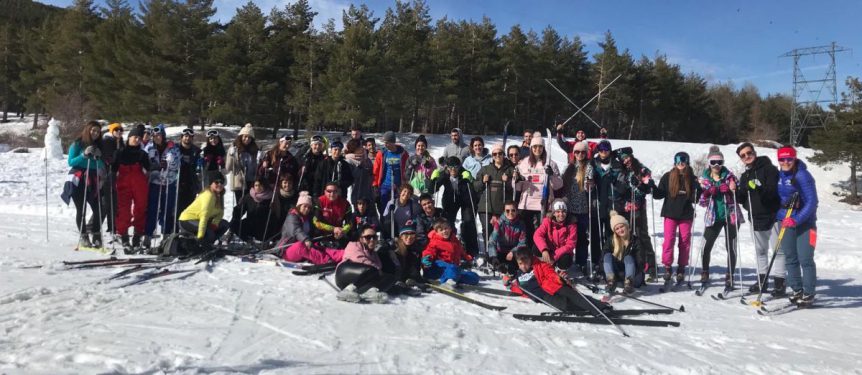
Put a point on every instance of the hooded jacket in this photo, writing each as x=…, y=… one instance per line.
x=242, y=167
x=718, y=205
x=385, y=161
x=330, y=214
x=337, y=171
x=296, y=227
x=170, y=153
x=603, y=181
x=543, y=275
x=802, y=182
x=679, y=207
x=473, y=163
x=558, y=238
x=765, y=202
x=448, y=250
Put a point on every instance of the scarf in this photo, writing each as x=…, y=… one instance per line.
x=260, y=197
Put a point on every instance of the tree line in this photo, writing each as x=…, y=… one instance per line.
x=170, y=61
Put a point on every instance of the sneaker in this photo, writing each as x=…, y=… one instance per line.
x=374, y=295
x=629, y=286
x=806, y=301
x=349, y=294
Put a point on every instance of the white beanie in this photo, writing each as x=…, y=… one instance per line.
x=617, y=219
x=246, y=130
x=559, y=205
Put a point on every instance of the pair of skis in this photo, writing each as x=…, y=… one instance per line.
x=612, y=317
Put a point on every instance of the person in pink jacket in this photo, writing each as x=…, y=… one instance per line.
x=557, y=236
x=360, y=274
x=529, y=179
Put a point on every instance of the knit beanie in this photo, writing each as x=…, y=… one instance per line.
x=580, y=146
x=137, y=131
x=497, y=147
x=715, y=153
x=617, y=219
x=113, y=127
x=304, y=198
x=247, y=130
x=559, y=205
x=537, y=140
x=389, y=137
x=604, y=145
x=786, y=152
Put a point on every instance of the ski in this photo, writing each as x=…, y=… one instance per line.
x=593, y=320
x=700, y=290
x=456, y=295
x=71, y=263
x=613, y=313
x=726, y=296
x=316, y=269
x=117, y=262
x=486, y=290
x=100, y=250
x=158, y=274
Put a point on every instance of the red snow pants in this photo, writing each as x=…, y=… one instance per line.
x=131, y=199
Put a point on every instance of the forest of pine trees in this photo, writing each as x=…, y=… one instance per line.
x=170, y=61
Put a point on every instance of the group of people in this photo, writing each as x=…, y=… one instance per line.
x=374, y=213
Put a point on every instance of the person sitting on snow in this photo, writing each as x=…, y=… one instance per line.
x=333, y=216
x=444, y=258
x=623, y=258
x=296, y=241
x=360, y=274
x=537, y=279
x=507, y=237
x=204, y=216
x=557, y=236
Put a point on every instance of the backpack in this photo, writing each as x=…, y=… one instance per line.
x=177, y=244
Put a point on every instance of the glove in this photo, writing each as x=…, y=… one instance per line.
x=753, y=184
x=88, y=152
x=711, y=191
x=549, y=171
x=631, y=207
x=435, y=175
x=724, y=188
x=788, y=223
x=426, y=261
x=466, y=175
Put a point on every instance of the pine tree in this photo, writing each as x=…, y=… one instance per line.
x=841, y=141
x=299, y=60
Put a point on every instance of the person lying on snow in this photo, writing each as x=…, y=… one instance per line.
x=444, y=258
x=542, y=281
x=296, y=236
x=360, y=275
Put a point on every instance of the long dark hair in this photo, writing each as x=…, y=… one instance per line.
x=240, y=147
x=685, y=178
x=85, y=139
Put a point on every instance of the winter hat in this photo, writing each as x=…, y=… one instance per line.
x=407, y=229
x=580, y=146
x=617, y=219
x=681, y=157
x=137, y=131
x=422, y=139
x=537, y=140
x=304, y=198
x=786, y=152
x=316, y=139
x=336, y=144
x=215, y=176
x=113, y=127
x=247, y=130
x=160, y=129
x=389, y=137
x=715, y=153
x=604, y=145
x=497, y=147
x=559, y=205
x=453, y=161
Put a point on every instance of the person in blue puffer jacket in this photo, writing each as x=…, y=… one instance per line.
x=800, y=229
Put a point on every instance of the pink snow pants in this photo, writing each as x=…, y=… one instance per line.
x=670, y=226
x=298, y=252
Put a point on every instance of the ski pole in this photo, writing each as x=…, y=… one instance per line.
x=589, y=227
x=159, y=200
x=323, y=277
x=476, y=223
x=727, y=245
x=702, y=243
x=272, y=201
x=751, y=227
x=99, y=206
x=174, y=221
x=680, y=309
x=47, y=230
x=242, y=167
x=654, y=233
x=84, y=202
x=736, y=239
x=758, y=302
x=599, y=311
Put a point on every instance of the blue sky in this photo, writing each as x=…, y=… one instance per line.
x=736, y=41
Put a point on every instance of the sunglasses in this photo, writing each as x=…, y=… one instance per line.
x=452, y=167
x=369, y=237
x=786, y=160
x=496, y=154
x=747, y=154
x=511, y=210
x=188, y=132
x=579, y=152
x=716, y=163
x=513, y=155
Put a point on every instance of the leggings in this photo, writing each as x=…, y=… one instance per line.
x=363, y=276
x=710, y=235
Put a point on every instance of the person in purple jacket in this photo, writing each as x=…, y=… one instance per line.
x=800, y=229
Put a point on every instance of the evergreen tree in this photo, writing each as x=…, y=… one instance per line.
x=841, y=141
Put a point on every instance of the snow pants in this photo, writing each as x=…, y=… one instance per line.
x=710, y=235
x=670, y=235
x=132, y=203
x=444, y=271
x=798, y=245
x=763, y=241
x=363, y=276
x=298, y=252
x=210, y=236
x=160, y=208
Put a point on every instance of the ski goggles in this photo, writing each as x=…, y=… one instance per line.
x=286, y=137
x=680, y=159
x=316, y=139
x=716, y=163
x=212, y=133
x=786, y=160
x=188, y=132
x=148, y=130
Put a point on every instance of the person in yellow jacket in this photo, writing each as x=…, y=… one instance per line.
x=204, y=216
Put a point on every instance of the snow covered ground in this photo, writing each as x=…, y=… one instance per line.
x=251, y=318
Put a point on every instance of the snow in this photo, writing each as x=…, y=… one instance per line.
x=252, y=318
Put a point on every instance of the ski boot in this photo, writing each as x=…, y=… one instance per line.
x=84, y=241
x=667, y=275
x=348, y=294
x=761, y=280
x=728, y=282
x=680, y=275
x=611, y=286
x=796, y=297
x=780, y=289
x=97, y=240
x=136, y=241
x=805, y=302
x=145, y=242
x=374, y=295
x=704, y=277
x=124, y=240
x=629, y=286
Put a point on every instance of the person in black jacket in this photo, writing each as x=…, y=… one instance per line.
x=255, y=207
x=679, y=189
x=335, y=168
x=309, y=179
x=189, y=183
x=425, y=220
x=458, y=195
x=758, y=193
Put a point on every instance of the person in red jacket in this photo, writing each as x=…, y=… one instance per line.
x=556, y=237
x=333, y=215
x=444, y=255
x=540, y=280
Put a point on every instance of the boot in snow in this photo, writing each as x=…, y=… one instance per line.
x=124, y=240
x=680, y=275
x=348, y=294
x=136, y=241
x=761, y=280
x=667, y=274
x=806, y=301
x=629, y=286
x=374, y=295
x=704, y=276
x=728, y=281
x=84, y=241
x=145, y=242
x=611, y=285
x=780, y=289
x=796, y=296
x=97, y=240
